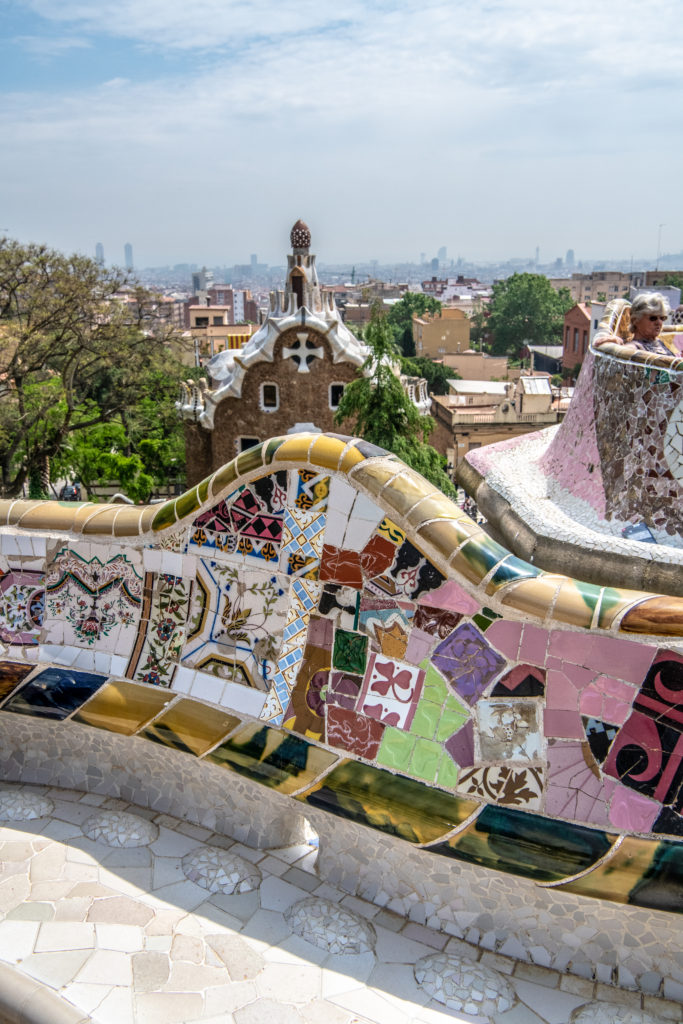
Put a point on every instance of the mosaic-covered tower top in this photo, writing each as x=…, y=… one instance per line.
x=609, y=480
x=303, y=305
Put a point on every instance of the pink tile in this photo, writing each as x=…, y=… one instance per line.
x=607, y=699
x=419, y=646
x=505, y=635
x=632, y=811
x=533, y=645
x=621, y=658
x=574, y=791
x=562, y=724
x=567, y=646
x=561, y=693
x=453, y=597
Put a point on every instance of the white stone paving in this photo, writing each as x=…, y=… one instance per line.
x=119, y=934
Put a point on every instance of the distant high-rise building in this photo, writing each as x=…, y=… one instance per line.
x=254, y=259
x=442, y=254
x=99, y=254
x=435, y=265
x=128, y=255
x=422, y=257
x=538, y=255
x=569, y=259
x=202, y=280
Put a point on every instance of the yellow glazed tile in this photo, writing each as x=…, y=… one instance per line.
x=16, y=509
x=375, y=475
x=445, y=536
x=123, y=707
x=127, y=522
x=101, y=523
x=48, y=515
x=535, y=597
x=83, y=513
x=326, y=452
x=434, y=506
x=404, y=491
x=296, y=448
x=575, y=603
x=273, y=757
x=191, y=726
x=147, y=518
x=616, y=876
x=351, y=457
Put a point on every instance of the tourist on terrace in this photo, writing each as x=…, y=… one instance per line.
x=648, y=313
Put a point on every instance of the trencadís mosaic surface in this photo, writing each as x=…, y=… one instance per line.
x=319, y=619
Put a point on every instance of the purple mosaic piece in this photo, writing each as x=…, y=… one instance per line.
x=461, y=745
x=467, y=662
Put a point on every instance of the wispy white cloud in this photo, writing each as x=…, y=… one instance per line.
x=447, y=120
x=51, y=46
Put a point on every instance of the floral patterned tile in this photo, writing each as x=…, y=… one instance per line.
x=22, y=606
x=467, y=662
x=161, y=637
x=236, y=622
x=513, y=785
x=93, y=601
x=391, y=691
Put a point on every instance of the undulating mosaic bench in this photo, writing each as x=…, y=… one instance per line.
x=490, y=748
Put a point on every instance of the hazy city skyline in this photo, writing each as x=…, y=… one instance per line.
x=395, y=129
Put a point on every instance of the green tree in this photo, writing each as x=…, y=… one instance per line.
x=436, y=374
x=675, y=281
x=141, y=448
x=381, y=412
x=526, y=308
x=400, y=318
x=76, y=341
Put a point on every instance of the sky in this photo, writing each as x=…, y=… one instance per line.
x=200, y=133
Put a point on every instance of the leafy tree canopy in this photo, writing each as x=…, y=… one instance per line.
x=381, y=412
x=675, y=281
x=75, y=354
x=436, y=374
x=526, y=308
x=400, y=318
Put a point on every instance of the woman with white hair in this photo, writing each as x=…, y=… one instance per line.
x=648, y=313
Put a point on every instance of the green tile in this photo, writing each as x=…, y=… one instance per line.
x=395, y=749
x=187, y=503
x=451, y=720
x=448, y=772
x=426, y=719
x=425, y=760
x=164, y=517
x=250, y=459
x=350, y=651
x=434, y=687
